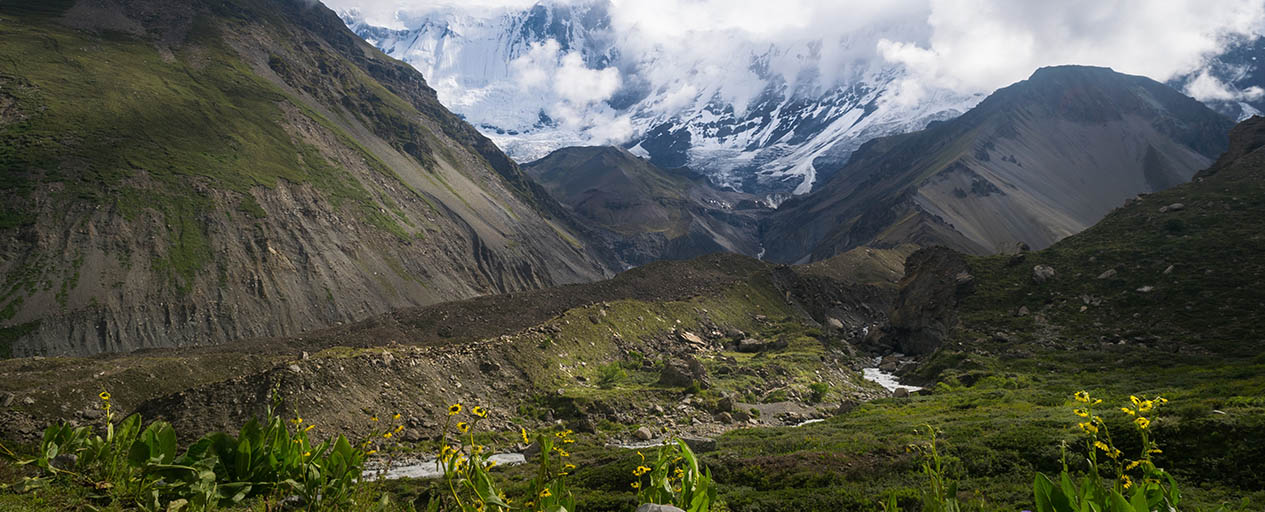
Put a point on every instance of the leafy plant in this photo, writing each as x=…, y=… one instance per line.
x=675, y=478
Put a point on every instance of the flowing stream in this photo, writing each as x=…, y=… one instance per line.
x=886, y=379
x=430, y=468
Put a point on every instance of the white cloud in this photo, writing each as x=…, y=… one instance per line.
x=980, y=45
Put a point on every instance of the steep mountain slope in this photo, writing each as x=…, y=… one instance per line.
x=770, y=121
x=1033, y=163
x=183, y=173
x=651, y=213
x=1179, y=271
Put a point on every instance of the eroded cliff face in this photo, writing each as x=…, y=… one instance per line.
x=204, y=172
x=925, y=312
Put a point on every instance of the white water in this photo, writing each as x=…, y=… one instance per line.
x=886, y=379
x=430, y=468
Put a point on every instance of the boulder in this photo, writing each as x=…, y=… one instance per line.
x=1042, y=273
x=834, y=323
x=699, y=444
x=725, y=404
x=643, y=434
x=1107, y=274
x=690, y=338
x=725, y=418
x=683, y=372
x=900, y=393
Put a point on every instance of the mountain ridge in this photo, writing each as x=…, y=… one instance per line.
x=1031, y=164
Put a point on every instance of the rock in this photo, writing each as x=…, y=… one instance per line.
x=1146, y=289
x=294, y=368
x=761, y=318
x=6, y=400
x=683, y=372
x=652, y=507
x=1168, y=270
x=65, y=461
x=1175, y=207
x=725, y=404
x=1023, y=311
x=1042, y=273
x=28, y=401
x=834, y=323
x=1107, y=274
x=643, y=434
x=532, y=450
x=900, y=393
x=658, y=409
x=846, y=406
x=725, y=418
x=92, y=413
x=963, y=278
x=699, y=444
x=740, y=415
x=690, y=338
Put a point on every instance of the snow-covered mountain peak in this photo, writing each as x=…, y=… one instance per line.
x=765, y=116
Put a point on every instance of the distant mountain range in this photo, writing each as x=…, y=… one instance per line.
x=754, y=126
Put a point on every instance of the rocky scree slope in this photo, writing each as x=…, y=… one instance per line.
x=756, y=333
x=1031, y=164
x=650, y=213
x=179, y=173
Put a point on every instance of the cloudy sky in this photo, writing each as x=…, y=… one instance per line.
x=965, y=45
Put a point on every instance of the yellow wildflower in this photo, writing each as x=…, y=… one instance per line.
x=636, y=485
x=1132, y=465
x=568, y=467
x=1102, y=446
x=1142, y=422
x=463, y=427
x=1155, y=451
x=309, y=427
x=371, y=452
x=399, y=428
x=297, y=421
x=680, y=473
x=454, y=409
x=479, y=411
x=1128, y=411
x=1082, y=396
x=545, y=493
x=639, y=454
x=307, y=454
x=563, y=453
x=1136, y=401
x=1126, y=481
x=373, y=418
x=1146, y=405
x=1088, y=428
x=489, y=464
x=396, y=416
x=387, y=435
x=1081, y=412
x=523, y=431
x=105, y=395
